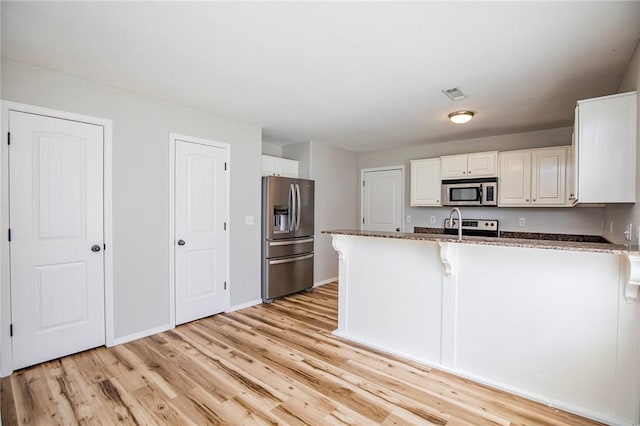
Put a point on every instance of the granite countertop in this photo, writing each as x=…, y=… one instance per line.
x=549, y=244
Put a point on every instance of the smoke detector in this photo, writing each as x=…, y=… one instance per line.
x=455, y=94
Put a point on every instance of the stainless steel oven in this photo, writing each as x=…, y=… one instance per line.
x=470, y=192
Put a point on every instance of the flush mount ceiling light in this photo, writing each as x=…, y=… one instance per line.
x=460, y=117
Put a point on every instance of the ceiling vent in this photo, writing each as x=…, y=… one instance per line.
x=455, y=94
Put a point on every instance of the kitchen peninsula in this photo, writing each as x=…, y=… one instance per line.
x=554, y=321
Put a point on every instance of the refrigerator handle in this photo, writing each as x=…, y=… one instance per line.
x=292, y=208
x=298, y=208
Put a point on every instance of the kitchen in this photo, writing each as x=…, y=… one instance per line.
x=143, y=118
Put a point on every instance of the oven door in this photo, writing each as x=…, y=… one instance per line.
x=462, y=194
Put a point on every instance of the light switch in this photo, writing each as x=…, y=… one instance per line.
x=248, y=220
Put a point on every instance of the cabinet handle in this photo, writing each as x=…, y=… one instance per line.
x=464, y=173
x=469, y=171
x=437, y=201
x=534, y=200
x=527, y=200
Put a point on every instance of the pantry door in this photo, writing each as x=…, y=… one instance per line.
x=200, y=239
x=56, y=237
x=382, y=199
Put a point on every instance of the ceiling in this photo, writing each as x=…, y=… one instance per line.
x=358, y=75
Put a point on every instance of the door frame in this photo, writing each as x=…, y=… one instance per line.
x=382, y=169
x=6, y=352
x=173, y=137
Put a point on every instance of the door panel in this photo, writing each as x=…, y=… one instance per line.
x=382, y=200
x=288, y=275
x=278, y=193
x=56, y=216
x=305, y=190
x=200, y=236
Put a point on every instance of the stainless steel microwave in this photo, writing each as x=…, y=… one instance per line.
x=470, y=192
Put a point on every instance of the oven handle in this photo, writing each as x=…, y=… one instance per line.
x=293, y=259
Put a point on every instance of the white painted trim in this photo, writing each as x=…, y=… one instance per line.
x=244, y=305
x=482, y=380
x=143, y=333
x=402, y=190
x=173, y=137
x=327, y=281
x=6, y=356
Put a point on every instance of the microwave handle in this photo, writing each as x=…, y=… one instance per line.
x=481, y=195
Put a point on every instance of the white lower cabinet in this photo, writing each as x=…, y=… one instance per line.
x=533, y=177
x=425, y=182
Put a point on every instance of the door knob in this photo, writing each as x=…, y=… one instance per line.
x=95, y=248
x=181, y=242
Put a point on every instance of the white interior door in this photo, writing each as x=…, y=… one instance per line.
x=382, y=200
x=56, y=222
x=200, y=230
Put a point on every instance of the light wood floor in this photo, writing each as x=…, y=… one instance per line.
x=269, y=364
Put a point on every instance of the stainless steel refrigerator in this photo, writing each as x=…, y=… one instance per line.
x=287, y=229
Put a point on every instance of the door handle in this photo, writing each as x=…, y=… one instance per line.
x=95, y=248
x=299, y=207
x=181, y=242
x=292, y=208
x=293, y=259
x=289, y=243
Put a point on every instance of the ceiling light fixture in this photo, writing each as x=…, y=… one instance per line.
x=460, y=117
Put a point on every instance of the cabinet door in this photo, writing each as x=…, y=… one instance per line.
x=453, y=166
x=287, y=168
x=548, y=179
x=514, y=181
x=268, y=165
x=606, y=149
x=570, y=176
x=482, y=164
x=425, y=182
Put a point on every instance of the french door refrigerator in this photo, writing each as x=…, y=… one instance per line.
x=287, y=229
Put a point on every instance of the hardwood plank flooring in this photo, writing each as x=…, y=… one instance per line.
x=268, y=364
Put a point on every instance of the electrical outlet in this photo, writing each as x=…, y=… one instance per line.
x=433, y=220
x=408, y=218
x=522, y=221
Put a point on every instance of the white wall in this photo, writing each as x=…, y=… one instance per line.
x=335, y=171
x=553, y=220
x=271, y=149
x=623, y=214
x=300, y=152
x=141, y=127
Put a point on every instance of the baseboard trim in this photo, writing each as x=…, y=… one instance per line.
x=323, y=282
x=141, y=334
x=244, y=305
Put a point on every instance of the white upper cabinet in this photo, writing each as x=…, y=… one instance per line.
x=533, y=177
x=425, y=182
x=548, y=176
x=514, y=181
x=275, y=166
x=478, y=164
x=605, y=149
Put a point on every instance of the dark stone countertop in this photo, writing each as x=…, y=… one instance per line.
x=437, y=234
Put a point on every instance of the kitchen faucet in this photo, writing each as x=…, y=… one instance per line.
x=457, y=210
